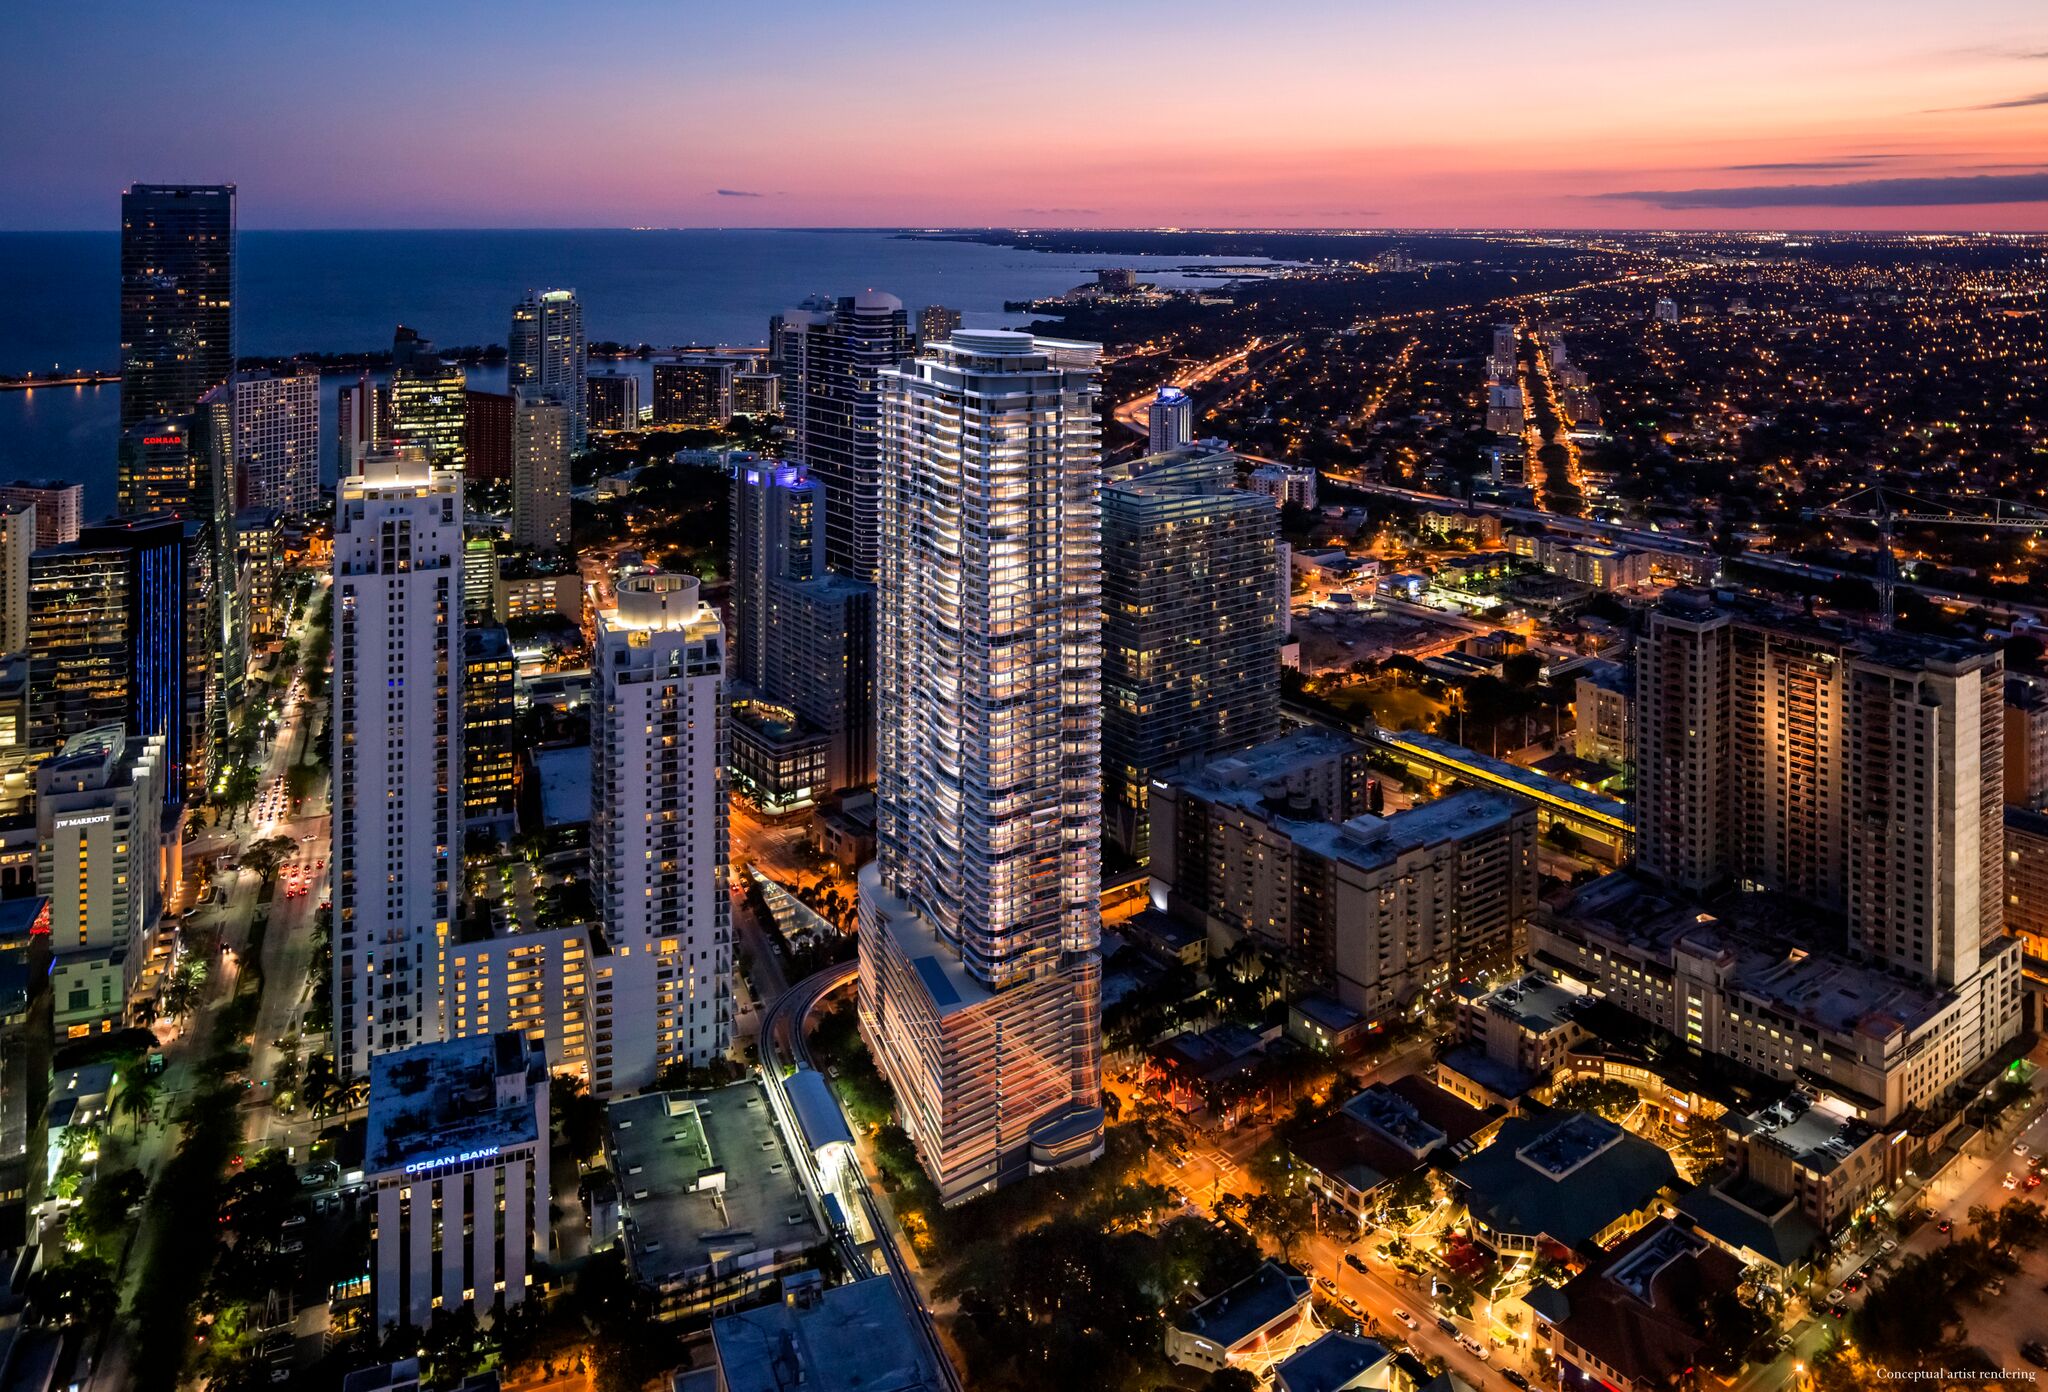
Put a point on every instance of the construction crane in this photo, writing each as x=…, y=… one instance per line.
x=1887, y=517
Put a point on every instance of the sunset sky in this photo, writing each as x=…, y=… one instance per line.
x=1652, y=113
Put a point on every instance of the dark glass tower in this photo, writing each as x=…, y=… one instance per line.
x=177, y=296
x=832, y=365
x=168, y=681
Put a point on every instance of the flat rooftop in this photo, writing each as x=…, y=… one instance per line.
x=1244, y=779
x=1536, y=1003
x=703, y=1177
x=432, y=1102
x=1597, y=807
x=856, y=1338
x=1762, y=939
x=1372, y=842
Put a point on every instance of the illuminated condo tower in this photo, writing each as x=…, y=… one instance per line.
x=397, y=755
x=541, y=426
x=546, y=353
x=1171, y=419
x=980, y=979
x=277, y=441
x=177, y=296
x=658, y=833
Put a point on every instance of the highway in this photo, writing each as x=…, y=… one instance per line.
x=784, y=1046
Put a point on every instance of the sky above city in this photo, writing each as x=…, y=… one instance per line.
x=1314, y=113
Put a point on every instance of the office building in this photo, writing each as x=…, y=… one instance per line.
x=110, y=625
x=479, y=575
x=456, y=1162
x=362, y=423
x=157, y=468
x=777, y=533
x=546, y=354
x=277, y=441
x=658, y=832
x=980, y=974
x=541, y=429
x=17, y=543
x=612, y=401
x=779, y=763
x=58, y=506
x=832, y=361
x=397, y=750
x=1171, y=418
x=935, y=324
x=490, y=759
x=99, y=856
x=821, y=664
x=177, y=297
x=2026, y=741
x=1378, y=912
x=487, y=436
x=1190, y=629
x=694, y=391
x=1861, y=772
x=1500, y=361
x=429, y=402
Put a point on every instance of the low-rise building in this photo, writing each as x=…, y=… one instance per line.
x=456, y=1157
x=1642, y=1320
x=1817, y=1154
x=779, y=763
x=1528, y=1023
x=1386, y=1133
x=712, y=1206
x=1569, y=1179
x=1242, y=1322
x=856, y=1337
x=1337, y=1362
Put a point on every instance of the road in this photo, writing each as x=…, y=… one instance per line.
x=1134, y=414
x=783, y=1046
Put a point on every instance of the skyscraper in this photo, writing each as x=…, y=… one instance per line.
x=1859, y=771
x=157, y=468
x=832, y=365
x=696, y=390
x=397, y=750
x=177, y=296
x=428, y=408
x=540, y=471
x=658, y=832
x=777, y=533
x=277, y=441
x=17, y=542
x=363, y=424
x=79, y=653
x=1190, y=629
x=821, y=664
x=546, y=352
x=490, y=760
x=1171, y=417
x=980, y=979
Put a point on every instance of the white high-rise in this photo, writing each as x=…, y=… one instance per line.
x=541, y=426
x=1171, y=420
x=658, y=833
x=980, y=977
x=546, y=352
x=397, y=757
x=277, y=441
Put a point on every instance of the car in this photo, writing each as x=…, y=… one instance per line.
x=1516, y=1378
x=1326, y=1286
x=1837, y=1295
x=1352, y=1305
x=2033, y=1181
x=1784, y=1344
x=1406, y=1318
x=1853, y=1284
x=2019, y=1147
x=1887, y=1247
x=2011, y=1181
x=2035, y=1162
x=1351, y=1260
x=2032, y=1351
x=1445, y=1323
x=1474, y=1347
x=1837, y=1311
x=1946, y=1225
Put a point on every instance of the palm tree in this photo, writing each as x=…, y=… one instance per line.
x=137, y=1094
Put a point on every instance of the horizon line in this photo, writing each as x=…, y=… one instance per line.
x=929, y=229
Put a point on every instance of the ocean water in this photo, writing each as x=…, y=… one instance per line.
x=344, y=292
